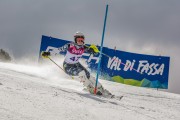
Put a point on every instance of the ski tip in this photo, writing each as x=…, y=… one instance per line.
x=121, y=97
x=117, y=97
x=112, y=96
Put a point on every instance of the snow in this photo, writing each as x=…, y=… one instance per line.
x=30, y=92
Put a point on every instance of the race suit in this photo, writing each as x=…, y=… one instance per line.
x=72, y=66
x=71, y=63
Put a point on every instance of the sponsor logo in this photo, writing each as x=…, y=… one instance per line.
x=73, y=50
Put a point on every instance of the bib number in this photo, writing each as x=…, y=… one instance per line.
x=75, y=58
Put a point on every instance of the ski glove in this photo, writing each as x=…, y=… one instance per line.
x=93, y=49
x=45, y=54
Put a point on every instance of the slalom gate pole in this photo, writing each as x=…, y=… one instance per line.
x=99, y=64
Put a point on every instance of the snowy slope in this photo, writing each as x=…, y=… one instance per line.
x=45, y=93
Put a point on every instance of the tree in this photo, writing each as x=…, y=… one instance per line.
x=4, y=56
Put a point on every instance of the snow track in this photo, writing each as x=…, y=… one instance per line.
x=44, y=93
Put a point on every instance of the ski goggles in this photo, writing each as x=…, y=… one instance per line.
x=78, y=40
x=79, y=37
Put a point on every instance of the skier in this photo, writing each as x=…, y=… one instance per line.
x=72, y=66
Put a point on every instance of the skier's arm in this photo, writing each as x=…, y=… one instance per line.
x=60, y=49
x=64, y=48
x=55, y=51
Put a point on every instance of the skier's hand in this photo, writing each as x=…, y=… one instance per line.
x=93, y=49
x=45, y=54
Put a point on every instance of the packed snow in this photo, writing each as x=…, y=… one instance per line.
x=29, y=92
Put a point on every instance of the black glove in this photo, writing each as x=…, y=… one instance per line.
x=45, y=54
x=91, y=51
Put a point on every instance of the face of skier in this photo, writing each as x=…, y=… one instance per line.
x=80, y=40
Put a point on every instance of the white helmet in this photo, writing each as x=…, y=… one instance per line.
x=78, y=34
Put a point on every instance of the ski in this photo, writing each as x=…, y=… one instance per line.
x=113, y=97
x=117, y=97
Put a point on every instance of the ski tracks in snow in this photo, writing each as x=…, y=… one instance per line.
x=31, y=95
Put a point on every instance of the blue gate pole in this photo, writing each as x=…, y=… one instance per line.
x=99, y=64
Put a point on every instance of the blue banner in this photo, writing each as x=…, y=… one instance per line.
x=123, y=67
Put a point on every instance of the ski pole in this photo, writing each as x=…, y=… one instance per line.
x=59, y=66
x=56, y=64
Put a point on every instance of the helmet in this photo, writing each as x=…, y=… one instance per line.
x=78, y=34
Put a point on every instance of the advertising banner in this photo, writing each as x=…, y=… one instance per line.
x=122, y=67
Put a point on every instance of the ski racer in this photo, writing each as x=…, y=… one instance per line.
x=73, y=67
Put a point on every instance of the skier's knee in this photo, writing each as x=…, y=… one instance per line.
x=82, y=74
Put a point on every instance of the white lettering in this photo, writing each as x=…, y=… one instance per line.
x=118, y=64
x=132, y=65
x=110, y=61
x=161, y=69
x=150, y=69
x=141, y=65
x=114, y=64
x=91, y=57
x=128, y=65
